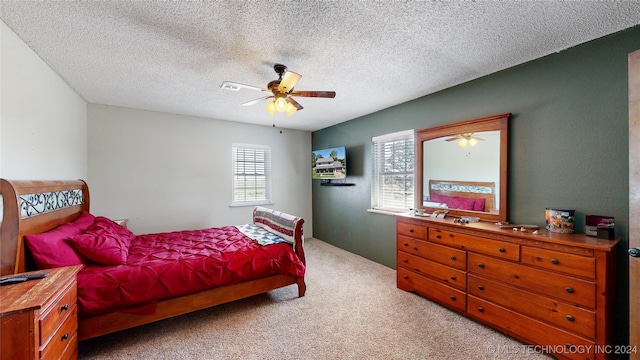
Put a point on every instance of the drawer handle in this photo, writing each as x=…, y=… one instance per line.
x=452, y=277
x=569, y=290
x=410, y=230
x=570, y=318
x=480, y=287
x=452, y=297
x=406, y=277
x=555, y=261
x=406, y=244
x=65, y=336
x=480, y=309
x=405, y=261
x=453, y=258
x=438, y=236
x=64, y=307
x=481, y=265
x=569, y=347
x=415, y=248
x=501, y=249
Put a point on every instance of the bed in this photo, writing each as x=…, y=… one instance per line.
x=463, y=195
x=129, y=280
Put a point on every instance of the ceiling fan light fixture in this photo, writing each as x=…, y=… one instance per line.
x=462, y=142
x=271, y=107
x=281, y=91
x=473, y=141
x=281, y=103
x=290, y=108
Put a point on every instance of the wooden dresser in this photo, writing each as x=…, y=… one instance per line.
x=553, y=291
x=39, y=318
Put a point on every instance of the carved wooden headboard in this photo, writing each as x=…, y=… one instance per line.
x=465, y=189
x=33, y=207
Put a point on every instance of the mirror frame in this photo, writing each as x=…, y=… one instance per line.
x=496, y=122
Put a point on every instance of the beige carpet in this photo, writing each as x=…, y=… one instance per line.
x=352, y=310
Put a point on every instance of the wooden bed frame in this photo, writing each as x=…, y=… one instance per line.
x=20, y=219
x=448, y=188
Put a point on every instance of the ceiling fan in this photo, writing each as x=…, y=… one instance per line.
x=465, y=139
x=281, y=91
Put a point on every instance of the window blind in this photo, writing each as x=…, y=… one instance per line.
x=393, y=171
x=251, y=174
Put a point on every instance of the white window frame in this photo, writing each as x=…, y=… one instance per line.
x=393, y=157
x=250, y=162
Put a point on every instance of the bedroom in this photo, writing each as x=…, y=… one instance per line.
x=157, y=158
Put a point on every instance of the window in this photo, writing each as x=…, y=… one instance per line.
x=251, y=175
x=393, y=171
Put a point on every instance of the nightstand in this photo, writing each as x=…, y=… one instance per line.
x=39, y=318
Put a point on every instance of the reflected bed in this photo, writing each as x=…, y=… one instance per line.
x=464, y=195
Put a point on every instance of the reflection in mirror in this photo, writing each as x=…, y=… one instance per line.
x=463, y=167
x=468, y=166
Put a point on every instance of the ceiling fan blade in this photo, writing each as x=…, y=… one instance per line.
x=249, y=103
x=289, y=80
x=322, y=94
x=457, y=137
x=234, y=86
x=295, y=103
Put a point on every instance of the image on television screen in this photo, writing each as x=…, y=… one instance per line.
x=329, y=163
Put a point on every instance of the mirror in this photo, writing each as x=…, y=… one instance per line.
x=462, y=167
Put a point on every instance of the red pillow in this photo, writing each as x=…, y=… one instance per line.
x=478, y=205
x=83, y=221
x=439, y=198
x=49, y=249
x=461, y=203
x=104, y=242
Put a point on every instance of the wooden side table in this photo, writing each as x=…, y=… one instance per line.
x=39, y=318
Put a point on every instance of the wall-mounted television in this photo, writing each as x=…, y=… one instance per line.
x=330, y=163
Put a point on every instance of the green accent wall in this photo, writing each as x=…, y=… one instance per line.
x=568, y=148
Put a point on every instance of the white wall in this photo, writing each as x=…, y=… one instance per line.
x=43, y=122
x=164, y=172
x=168, y=172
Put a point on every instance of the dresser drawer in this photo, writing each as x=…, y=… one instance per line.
x=409, y=229
x=64, y=339
x=570, y=289
x=567, y=263
x=443, y=294
x=61, y=308
x=411, y=245
x=433, y=269
x=577, y=320
x=496, y=248
x=442, y=254
x=530, y=330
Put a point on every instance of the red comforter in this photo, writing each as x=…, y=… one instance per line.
x=166, y=265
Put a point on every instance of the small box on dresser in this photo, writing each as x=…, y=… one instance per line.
x=39, y=318
x=552, y=290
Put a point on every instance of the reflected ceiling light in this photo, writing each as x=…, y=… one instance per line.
x=467, y=139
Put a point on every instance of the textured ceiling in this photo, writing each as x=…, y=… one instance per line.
x=173, y=56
